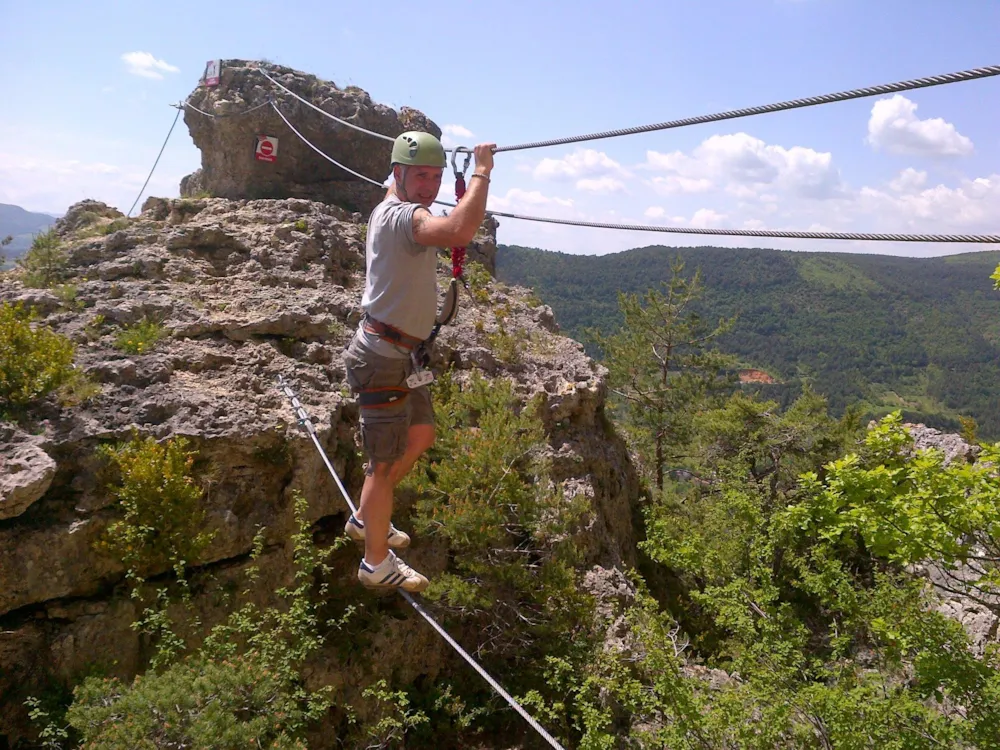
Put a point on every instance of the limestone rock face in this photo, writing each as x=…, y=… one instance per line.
x=26, y=472
x=246, y=291
x=227, y=141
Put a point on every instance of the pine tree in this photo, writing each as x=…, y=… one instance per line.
x=664, y=367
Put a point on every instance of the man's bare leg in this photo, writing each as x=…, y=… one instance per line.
x=376, y=494
x=419, y=438
x=376, y=510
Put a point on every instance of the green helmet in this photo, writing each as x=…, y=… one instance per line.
x=415, y=148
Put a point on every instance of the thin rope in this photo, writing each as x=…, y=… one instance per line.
x=150, y=175
x=306, y=422
x=189, y=105
x=324, y=112
x=777, y=233
x=887, y=88
x=314, y=148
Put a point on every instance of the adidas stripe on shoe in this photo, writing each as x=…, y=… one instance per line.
x=391, y=573
x=355, y=529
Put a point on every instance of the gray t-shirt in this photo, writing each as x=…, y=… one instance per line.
x=401, y=279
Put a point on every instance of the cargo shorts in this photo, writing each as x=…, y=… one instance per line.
x=384, y=429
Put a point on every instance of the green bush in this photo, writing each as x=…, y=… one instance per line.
x=115, y=226
x=140, y=338
x=243, y=687
x=161, y=501
x=45, y=262
x=34, y=359
x=791, y=571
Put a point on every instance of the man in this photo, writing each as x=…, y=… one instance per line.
x=400, y=303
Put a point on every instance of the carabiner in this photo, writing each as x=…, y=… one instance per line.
x=468, y=160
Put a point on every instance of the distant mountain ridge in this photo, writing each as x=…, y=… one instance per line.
x=919, y=334
x=22, y=225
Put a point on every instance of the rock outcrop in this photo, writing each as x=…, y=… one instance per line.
x=246, y=291
x=227, y=140
x=978, y=612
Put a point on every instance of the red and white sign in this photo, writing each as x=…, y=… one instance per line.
x=267, y=148
x=213, y=70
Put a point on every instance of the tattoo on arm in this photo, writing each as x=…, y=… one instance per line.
x=419, y=219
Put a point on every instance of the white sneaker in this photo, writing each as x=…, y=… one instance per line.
x=355, y=529
x=391, y=573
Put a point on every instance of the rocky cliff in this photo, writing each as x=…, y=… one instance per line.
x=231, y=119
x=245, y=291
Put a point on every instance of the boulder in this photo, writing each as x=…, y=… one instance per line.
x=227, y=140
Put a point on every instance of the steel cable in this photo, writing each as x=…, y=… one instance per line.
x=306, y=423
x=189, y=105
x=324, y=112
x=776, y=233
x=150, y=175
x=861, y=236
x=886, y=88
x=317, y=150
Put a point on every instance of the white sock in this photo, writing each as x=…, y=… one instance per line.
x=384, y=565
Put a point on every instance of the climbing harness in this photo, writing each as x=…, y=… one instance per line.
x=414, y=601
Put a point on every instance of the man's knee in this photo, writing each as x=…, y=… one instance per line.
x=380, y=470
x=422, y=436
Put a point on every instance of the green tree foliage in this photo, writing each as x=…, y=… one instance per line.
x=34, y=359
x=905, y=507
x=162, y=524
x=44, y=265
x=663, y=366
x=242, y=688
x=827, y=640
x=921, y=335
x=485, y=488
x=3, y=243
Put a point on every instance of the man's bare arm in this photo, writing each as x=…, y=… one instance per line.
x=459, y=227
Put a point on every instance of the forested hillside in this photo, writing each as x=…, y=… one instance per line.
x=921, y=335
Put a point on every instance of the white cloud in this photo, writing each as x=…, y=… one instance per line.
x=895, y=127
x=600, y=185
x=49, y=183
x=704, y=218
x=745, y=165
x=673, y=184
x=971, y=206
x=145, y=65
x=518, y=199
x=659, y=214
x=909, y=180
x=450, y=135
x=583, y=163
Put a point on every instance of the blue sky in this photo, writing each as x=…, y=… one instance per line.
x=89, y=84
